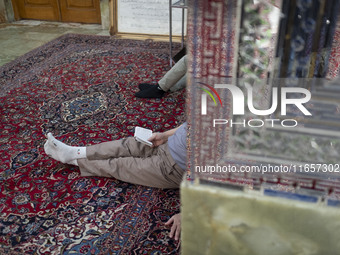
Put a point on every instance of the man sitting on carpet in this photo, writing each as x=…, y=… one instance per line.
x=173, y=80
x=162, y=165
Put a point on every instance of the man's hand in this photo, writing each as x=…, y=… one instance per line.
x=176, y=226
x=161, y=138
x=158, y=139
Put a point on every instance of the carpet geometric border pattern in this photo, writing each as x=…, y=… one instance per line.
x=81, y=88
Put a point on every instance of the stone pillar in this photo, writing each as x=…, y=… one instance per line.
x=105, y=14
x=217, y=220
x=292, y=204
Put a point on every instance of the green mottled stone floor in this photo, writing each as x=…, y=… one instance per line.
x=20, y=37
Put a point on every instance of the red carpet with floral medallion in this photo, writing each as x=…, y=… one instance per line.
x=81, y=88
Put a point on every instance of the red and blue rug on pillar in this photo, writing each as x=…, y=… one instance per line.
x=81, y=88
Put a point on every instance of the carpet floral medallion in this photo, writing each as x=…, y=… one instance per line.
x=81, y=88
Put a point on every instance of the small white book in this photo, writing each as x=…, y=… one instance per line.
x=142, y=135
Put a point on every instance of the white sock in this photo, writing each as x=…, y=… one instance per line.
x=63, y=152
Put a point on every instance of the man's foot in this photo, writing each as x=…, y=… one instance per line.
x=144, y=86
x=152, y=92
x=63, y=152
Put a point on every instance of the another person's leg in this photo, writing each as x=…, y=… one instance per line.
x=174, y=74
x=169, y=80
x=181, y=84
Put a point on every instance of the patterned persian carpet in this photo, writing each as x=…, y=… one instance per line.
x=81, y=88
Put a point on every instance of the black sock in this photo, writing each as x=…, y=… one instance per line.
x=152, y=92
x=143, y=86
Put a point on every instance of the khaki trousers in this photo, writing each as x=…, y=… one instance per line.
x=131, y=161
x=174, y=75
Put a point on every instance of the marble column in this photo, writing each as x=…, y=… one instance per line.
x=223, y=221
